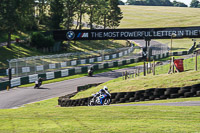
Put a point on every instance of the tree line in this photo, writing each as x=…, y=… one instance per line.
x=156, y=3
x=28, y=15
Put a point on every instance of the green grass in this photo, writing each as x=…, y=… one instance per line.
x=46, y=116
x=15, y=52
x=4, y=36
x=158, y=16
x=178, y=44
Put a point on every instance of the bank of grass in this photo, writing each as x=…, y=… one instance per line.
x=158, y=16
x=46, y=116
x=16, y=51
x=178, y=45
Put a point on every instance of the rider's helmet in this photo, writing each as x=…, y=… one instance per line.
x=105, y=88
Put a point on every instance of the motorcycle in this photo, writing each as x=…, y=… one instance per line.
x=90, y=73
x=96, y=100
x=37, y=85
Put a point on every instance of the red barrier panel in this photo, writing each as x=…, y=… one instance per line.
x=179, y=64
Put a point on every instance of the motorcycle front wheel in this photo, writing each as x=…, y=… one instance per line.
x=107, y=101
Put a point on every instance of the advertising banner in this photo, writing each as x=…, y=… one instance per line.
x=122, y=34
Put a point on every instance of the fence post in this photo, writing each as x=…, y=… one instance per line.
x=172, y=64
x=196, y=61
x=154, y=67
x=144, y=68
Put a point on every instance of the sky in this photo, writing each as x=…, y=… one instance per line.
x=187, y=2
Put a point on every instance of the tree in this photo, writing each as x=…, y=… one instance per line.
x=121, y=2
x=91, y=8
x=15, y=15
x=70, y=8
x=194, y=3
x=80, y=11
x=115, y=14
x=150, y=2
x=56, y=13
x=179, y=4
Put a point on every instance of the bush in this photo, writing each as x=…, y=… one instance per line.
x=38, y=40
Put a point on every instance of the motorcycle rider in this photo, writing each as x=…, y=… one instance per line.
x=104, y=93
x=90, y=71
x=38, y=82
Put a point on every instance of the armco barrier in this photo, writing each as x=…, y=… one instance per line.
x=141, y=95
x=4, y=85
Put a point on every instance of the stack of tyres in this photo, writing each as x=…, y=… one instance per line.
x=158, y=93
x=139, y=95
x=120, y=97
x=184, y=91
x=113, y=99
x=149, y=93
x=172, y=92
x=195, y=90
x=128, y=96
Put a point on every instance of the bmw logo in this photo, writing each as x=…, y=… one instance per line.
x=70, y=35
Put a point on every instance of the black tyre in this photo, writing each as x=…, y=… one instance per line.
x=122, y=100
x=198, y=93
x=163, y=97
x=106, y=101
x=184, y=89
x=150, y=90
x=151, y=97
x=174, y=96
x=172, y=90
x=196, y=86
x=113, y=95
x=188, y=94
x=113, y=101
x=131, y=99
x=194, y=90
x=120, y=95
x=159, y=92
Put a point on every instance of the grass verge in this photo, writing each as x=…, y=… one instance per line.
x=45, y=116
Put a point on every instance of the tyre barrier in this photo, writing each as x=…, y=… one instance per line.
x=136, y=96
x=85, y=87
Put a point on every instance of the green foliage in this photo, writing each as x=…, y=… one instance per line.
x=150, y=2
x=38, y=40
x=56, y=13
x=194, y=3
x=15, y=15
x=121, y=2
x=179, y=4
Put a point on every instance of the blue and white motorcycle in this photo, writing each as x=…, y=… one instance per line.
x=102, y=99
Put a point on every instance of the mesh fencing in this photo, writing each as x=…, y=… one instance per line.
x=41, y=64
